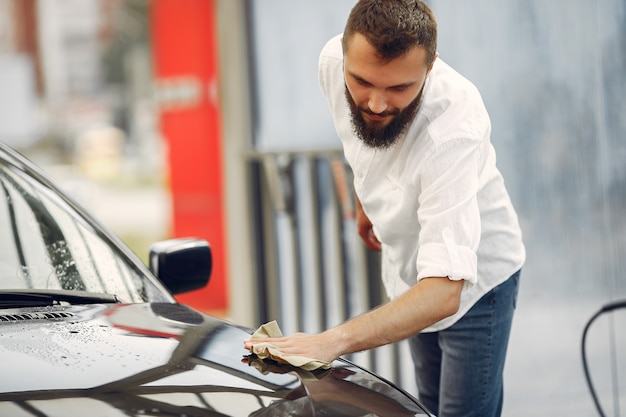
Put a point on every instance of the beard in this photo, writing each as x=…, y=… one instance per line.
x=375, y=134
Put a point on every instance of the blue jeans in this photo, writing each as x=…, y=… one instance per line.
x=459, y=370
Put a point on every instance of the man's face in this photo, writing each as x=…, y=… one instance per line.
x=383, y=95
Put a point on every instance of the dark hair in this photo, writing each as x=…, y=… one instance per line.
x=393, y=27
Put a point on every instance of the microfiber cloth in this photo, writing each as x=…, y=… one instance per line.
x=268, y=351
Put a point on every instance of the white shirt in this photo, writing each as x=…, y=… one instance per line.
x=436, y=199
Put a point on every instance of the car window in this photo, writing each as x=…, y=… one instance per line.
x=46, y=244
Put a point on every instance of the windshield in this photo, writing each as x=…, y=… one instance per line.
x=45, y=244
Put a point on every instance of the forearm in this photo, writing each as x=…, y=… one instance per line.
x=427, y=302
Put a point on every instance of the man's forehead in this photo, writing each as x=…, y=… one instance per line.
x=361, y=60
x=358, y=47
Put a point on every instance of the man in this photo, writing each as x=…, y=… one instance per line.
x=417, y=137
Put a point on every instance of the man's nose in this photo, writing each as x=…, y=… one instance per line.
x=377, y=102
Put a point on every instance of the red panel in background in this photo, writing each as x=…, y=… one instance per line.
x=184, y=48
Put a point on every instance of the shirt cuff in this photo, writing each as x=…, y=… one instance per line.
x=447, y=259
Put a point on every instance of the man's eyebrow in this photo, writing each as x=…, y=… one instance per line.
x=364, y=81
x=359, y=79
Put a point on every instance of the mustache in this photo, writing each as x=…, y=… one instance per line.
x=385, y=113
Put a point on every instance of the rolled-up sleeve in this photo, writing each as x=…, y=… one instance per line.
x=448, y=259
x=448, y=212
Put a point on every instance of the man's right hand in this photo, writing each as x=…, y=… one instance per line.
x=365, y=229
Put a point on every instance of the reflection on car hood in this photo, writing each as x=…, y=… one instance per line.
x=165, y=359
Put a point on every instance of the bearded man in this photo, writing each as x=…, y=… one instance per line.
x=429, y=196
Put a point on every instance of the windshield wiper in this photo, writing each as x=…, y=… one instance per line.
x=42, y=298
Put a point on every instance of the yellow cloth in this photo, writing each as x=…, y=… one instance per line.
x=269, y=351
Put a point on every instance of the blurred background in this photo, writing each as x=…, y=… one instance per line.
x=171, y=118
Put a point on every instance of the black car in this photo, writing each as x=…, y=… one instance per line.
x=87, y=329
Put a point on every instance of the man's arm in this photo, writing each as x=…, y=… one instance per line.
x=424, y=304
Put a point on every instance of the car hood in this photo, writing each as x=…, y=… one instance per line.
x=165, y=359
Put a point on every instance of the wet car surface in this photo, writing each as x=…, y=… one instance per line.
x=87, y=329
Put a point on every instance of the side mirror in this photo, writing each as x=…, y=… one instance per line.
x=182, y=265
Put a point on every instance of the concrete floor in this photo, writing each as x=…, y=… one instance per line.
x=544, y=374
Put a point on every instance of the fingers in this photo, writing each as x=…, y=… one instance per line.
x=293, y=345
x=248, y=343
x=296, y=345
x=370, y=239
